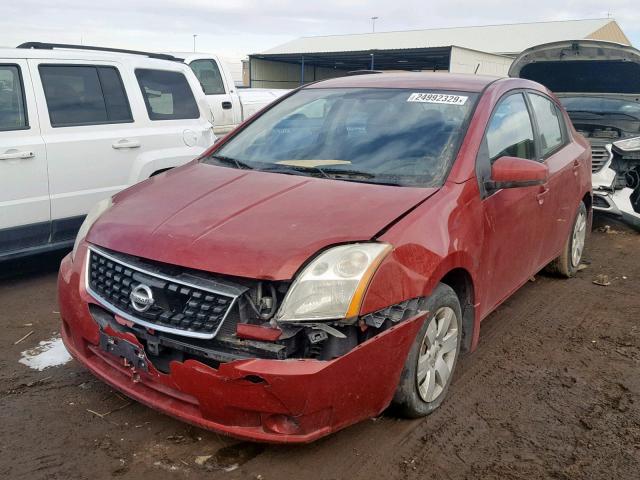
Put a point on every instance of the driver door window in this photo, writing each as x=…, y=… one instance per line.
x=209, y=76
x=225, y=107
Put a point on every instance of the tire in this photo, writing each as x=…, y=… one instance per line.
x=566, y=265
x=419, y=396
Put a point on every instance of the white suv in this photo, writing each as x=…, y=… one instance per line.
x=77, y=125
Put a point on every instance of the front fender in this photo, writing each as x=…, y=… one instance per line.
x=444, y=234
x=411, y=271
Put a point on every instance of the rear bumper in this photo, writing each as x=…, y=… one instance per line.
x=277, y=401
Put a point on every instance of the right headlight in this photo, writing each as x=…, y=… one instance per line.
x=628, y=145
x=333, y=285
x=93, y=215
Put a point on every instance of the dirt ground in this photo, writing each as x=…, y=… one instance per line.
x=553, y=391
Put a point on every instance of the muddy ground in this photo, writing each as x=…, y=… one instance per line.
x=552, y=392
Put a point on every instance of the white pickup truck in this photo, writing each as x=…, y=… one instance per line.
x=230, y=105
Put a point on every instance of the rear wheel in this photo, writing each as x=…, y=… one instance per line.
x=569, y=260
x=432, y=359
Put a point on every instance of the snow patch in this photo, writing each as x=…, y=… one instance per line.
x=49, y=353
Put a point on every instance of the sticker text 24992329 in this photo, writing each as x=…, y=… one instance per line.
x=438, y=98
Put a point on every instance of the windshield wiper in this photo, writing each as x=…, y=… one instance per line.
x=332, y=174
x=357, y=176
x=292, y=170
x=347, y=173
x=372, y=180
x=326, y=172
x=232, y=161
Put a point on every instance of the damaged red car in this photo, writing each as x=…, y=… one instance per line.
x=332, y=256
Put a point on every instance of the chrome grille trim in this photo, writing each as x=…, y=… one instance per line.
x=600, y=157
x=144, y=323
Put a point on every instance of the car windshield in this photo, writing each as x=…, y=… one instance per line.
x=601, y=106
x=390, y=136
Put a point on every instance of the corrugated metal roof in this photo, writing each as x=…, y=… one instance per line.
x=506, y=39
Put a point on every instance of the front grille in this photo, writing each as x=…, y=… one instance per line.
x=183, y=303
x=599, y=157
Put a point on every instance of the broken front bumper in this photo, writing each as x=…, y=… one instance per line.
x=611, y=201
x=617, y=203
x=279, y=401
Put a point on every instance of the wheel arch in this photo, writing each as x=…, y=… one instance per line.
x=587, y=199
x=159, y=171
x=413, y=271
x=460, y=280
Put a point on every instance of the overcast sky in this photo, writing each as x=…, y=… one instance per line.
x=238, y=27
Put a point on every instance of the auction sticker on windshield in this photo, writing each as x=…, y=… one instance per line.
x=438, y=98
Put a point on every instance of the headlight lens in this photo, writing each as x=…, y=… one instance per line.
x=332, y=286
x=628, y=145
x=97, y=210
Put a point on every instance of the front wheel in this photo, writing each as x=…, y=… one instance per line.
x=429, y=367
x=569, y=260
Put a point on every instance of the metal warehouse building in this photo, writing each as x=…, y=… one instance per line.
x=483, y=50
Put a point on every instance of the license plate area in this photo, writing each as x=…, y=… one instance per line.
x=131, y=355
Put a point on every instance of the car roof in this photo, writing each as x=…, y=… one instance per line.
x=418, y=80
x=188, y=57
x=79, y=54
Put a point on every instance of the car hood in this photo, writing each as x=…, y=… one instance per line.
x=581, y=66
x=246, y=223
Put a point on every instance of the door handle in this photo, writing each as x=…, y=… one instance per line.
x=125, y=144
x=17, y=155
x=227, y=105
x=576, y=167
x=544, y=191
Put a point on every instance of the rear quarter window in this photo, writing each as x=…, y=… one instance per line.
x=549, y=124
x=167, y=95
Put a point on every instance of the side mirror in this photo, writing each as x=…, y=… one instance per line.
x=513, y=172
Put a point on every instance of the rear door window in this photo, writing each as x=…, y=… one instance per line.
x=84, y=95
x=209, y=76
x=13, y=115
x=549, y=124
x=510, y=132
x=167, y=95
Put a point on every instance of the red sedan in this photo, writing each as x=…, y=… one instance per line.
x=333, y=255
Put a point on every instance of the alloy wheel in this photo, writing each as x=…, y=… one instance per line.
x=437, y=355
x=578, y=238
